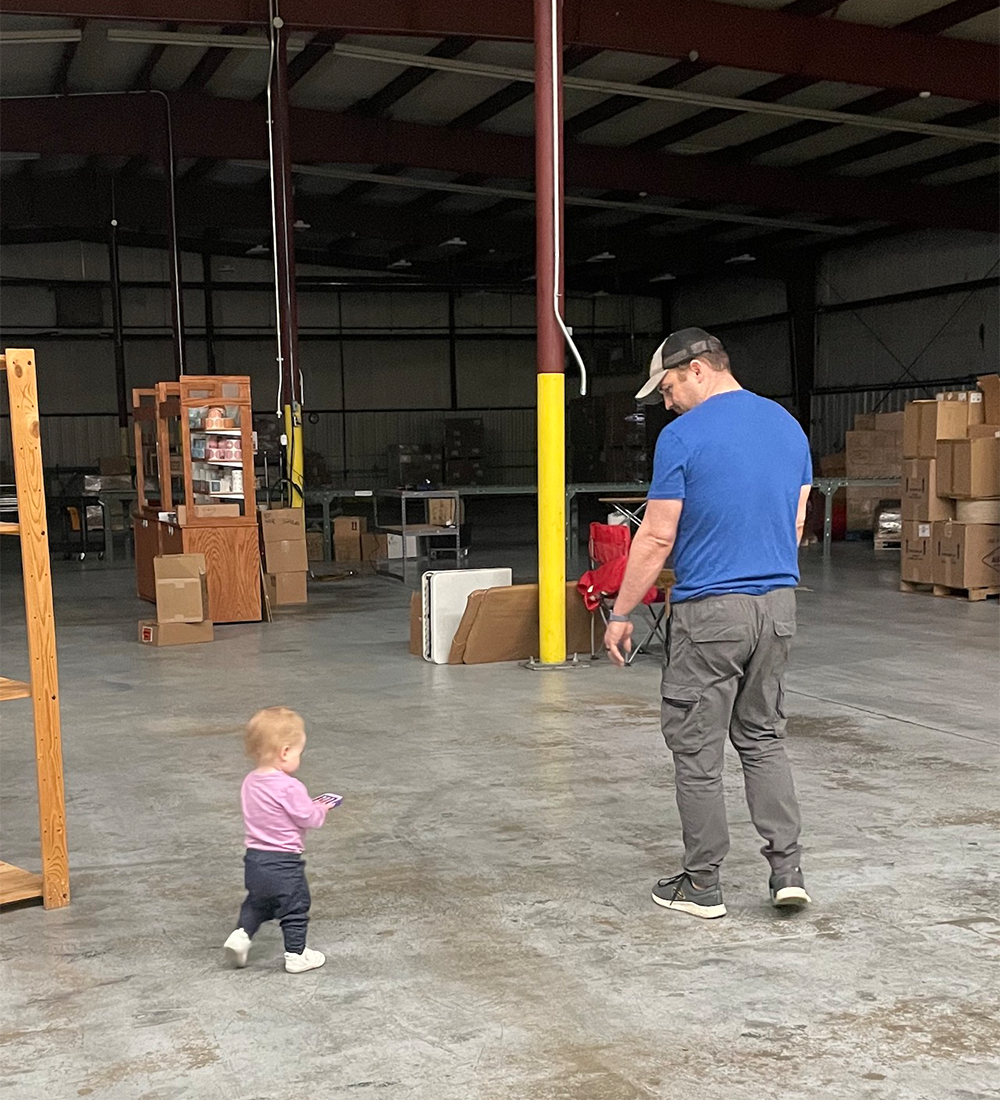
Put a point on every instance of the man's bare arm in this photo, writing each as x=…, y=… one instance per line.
x=650, y=549
x=800, y=519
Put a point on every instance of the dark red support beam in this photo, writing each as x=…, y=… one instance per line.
x=236, y=130
x=721, y=34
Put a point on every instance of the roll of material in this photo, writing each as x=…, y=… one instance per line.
x=977, y=511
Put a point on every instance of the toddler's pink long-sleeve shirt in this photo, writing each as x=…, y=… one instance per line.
x=277, y=810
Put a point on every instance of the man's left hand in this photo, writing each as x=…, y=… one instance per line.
x=618, y=642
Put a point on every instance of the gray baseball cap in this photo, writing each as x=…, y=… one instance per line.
x=679, y=347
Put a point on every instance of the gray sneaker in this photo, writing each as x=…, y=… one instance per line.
x=679, y=893
x=788, y=889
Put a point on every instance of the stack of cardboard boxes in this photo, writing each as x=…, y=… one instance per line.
x=182, y=616
x=463, y=451
x=951, y=491
x=873, y=449
x=355, y=546
x=286, y=560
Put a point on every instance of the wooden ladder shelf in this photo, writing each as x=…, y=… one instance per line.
x=52, y=885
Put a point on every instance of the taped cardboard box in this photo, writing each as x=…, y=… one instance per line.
x=286, y=556
x=416, y=625
x=501, y=624
x=967, y=555
x=283, y=525
x=181, y=588
x=917, y=557
x=284, y=589
x=874, y=454
x=864, y=422
x=163, y=634
x=919, y=492
x=863, y=502
x=314, y=545
x=207, y=511
x=347, y=532
x=925, y=422
x=989, y=386
x=969, y=469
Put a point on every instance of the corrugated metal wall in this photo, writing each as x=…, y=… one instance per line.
x=832, y=414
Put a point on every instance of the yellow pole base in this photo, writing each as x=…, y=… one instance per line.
x=551, y=518
x=295, y=463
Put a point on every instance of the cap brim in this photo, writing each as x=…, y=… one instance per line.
x=650, y=393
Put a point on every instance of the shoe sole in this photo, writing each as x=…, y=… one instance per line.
x=791, y=897
x=304, y=969
x=708, y=912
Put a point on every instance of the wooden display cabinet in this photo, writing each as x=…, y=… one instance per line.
x=204, y=488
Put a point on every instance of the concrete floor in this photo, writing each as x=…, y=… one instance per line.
x=483, y=893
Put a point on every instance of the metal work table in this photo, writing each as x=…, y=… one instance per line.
x=106, y=499
x=423, y=529
x=829, y=485
x=324, y=497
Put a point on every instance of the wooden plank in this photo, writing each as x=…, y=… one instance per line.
x=10, y=528
x=35, y=567
x=14, y=689
x=18, y=885
x=973, y=595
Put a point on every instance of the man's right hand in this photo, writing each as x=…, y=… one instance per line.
x=618, y=642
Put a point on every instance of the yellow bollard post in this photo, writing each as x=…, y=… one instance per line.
x=295, y=463
x=552, y=518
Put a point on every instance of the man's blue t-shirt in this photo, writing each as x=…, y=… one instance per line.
x=738, y=461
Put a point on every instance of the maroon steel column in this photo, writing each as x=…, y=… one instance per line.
x=284, y=244
x=550, y=357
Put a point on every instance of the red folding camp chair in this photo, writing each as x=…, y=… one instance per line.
x=609, y=547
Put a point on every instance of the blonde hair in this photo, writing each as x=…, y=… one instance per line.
x=270, y=730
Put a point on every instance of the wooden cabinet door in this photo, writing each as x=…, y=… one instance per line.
x=147, y=546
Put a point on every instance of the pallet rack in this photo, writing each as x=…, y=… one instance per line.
x=52, y=885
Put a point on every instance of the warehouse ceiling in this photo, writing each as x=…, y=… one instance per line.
x=698, y=134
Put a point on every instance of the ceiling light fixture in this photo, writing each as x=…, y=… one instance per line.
x=743, y=258
x=258, y=250
x=300, y=224
x=665, y=277
x=38, y=38
x=600, y=257
x=458, y=242
x=400, y=263
x=925, y=95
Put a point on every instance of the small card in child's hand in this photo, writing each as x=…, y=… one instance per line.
x=330, y=800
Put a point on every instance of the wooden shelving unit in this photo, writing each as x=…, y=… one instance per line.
x=52, y=885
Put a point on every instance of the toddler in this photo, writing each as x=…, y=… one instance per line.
x=277, y=810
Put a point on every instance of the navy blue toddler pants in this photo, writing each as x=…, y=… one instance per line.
x=276, y=890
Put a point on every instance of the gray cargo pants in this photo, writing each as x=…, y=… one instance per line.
x=723, y=674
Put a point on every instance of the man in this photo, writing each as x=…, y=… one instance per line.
x=731, y=478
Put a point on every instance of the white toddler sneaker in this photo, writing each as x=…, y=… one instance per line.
x=308, y=960
x=237, y=948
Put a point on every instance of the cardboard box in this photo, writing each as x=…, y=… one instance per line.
x=967, y=555
x=314, y=545
x=181, y=588
x=464, y=471
x=114, y=464
x=977, y=511
x=889, y=422
x=286, y=588
x=416, y=625
x=207, y=511
x=161, y=634
x=286, y=556
x=501, y=624
x=989, y=386
x=283, y=524
x=441, y=512
x=833, y=465
x=919, y=490
x=374, y=547
x=926, y=422
x=862, y=504
x=975, y=469
x=864, y=422
x=394, y=547
x=347, y=532
x=916, y=556
x=874, y=454
x=983, y=431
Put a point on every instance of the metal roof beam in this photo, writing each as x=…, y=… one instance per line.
x=716, y=33
x=236, y=130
